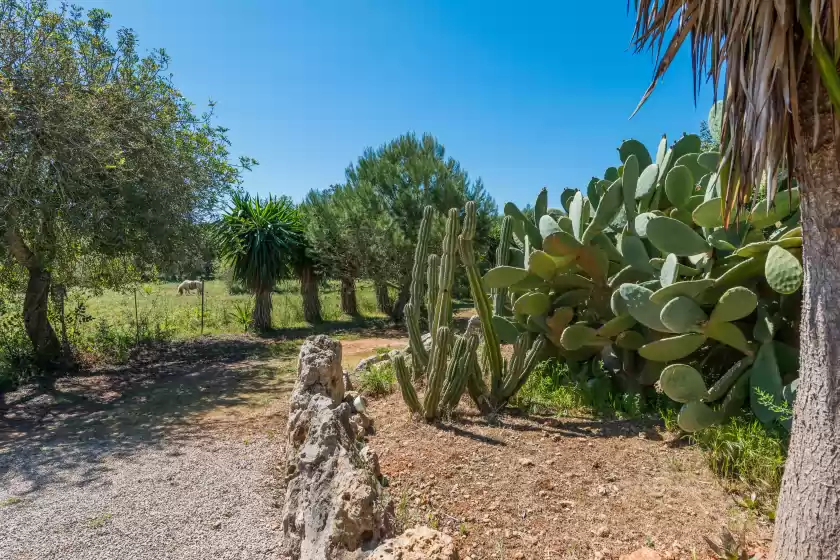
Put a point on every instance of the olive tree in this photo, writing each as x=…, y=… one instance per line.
x=101, y=157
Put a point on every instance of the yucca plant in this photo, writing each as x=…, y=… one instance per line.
x=780, y=109
x=259, y=238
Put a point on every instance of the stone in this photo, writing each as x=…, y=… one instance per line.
x=367, y=362
x=348, y=385
x=372, y=459
x=642, y=554
x=603, y=531
x=334, y=503
x=418, y=543
x=526, y=462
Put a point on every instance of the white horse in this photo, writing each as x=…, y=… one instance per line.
x=189, y=285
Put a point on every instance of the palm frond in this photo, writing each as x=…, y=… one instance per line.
x=260, y=238
x=767, y=50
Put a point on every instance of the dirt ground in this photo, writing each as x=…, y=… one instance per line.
x=174, y=456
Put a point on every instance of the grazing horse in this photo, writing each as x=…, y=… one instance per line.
x=189, y=285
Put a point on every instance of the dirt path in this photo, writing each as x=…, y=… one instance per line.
x=167, y=459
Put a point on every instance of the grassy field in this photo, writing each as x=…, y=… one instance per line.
x=160, y=308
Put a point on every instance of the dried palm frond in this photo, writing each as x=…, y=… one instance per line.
x=767, y=50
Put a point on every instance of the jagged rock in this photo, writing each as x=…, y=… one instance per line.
x=372, y=459
x=350, y=396
x=367, y=362
x=348, y=385
x=334, y=503
x=419, y=543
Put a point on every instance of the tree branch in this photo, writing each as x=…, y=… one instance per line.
x=19, y=250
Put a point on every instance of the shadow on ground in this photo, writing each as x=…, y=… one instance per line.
x=162, y=395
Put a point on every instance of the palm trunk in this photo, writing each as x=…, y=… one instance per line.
x=348, y=296
x=309, y=294
x=808, y=516
x=261, y=317
x=383, y=300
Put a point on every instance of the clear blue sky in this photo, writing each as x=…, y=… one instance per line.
x=523, y=94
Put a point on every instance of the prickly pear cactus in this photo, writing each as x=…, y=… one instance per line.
x=643, y=266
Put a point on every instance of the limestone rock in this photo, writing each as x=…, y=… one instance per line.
x=367, y=362
x=334, y=503
x=419, y=543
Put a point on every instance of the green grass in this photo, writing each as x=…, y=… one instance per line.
x=10, y=501
x=749, y=455
x=378, y=379
x=161, y=308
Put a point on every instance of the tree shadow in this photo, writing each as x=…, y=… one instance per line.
x=357, y=325
x=154, y=400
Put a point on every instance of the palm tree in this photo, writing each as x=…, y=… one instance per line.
x=781, y=103
x=260, y=240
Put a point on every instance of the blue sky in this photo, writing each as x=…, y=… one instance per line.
x=523, y=94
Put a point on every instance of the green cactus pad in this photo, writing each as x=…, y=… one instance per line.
x=709, y=214
x=633, y=147
x=734, y=399
x=541, y=205
x=503, y=277
x=695, y=416
x=741, y=273
x=530, y=282
x=532, y=303
x=672, y=236
x=594, y=262
x=783, y=271
x=573, y=298
x=690, y=288
x=560, y=244
x=682, y=383
x=558, y=321
x=729, y=334
x=617, y=304
x=787, y=357
x=661, y=149
x=616, y=325
x=693, y=202
x=575, y=337
x=566, y=198
x=630, y=340
x=670, y=270
x=682, y=315
x=682, y=215
x=784, y=203
x=641, y=222
x=607, y=207
x=542, y=265
x=792, y=232
x=603, y=242
x=651, y=372
x=683, y=270
x=565, y=224
x=690, y=161
x=765, y=376
x=679, y=185
x=633, y=250
x=566, y=281
x=723, y=239
x=611, y=173
x=629, y=182
x=736, y=303
x=709, y=161
x=646, y=182
x=579, y=214
x=628, y=274
x=505, y=330
x=639, y=305
x=761, y=247
x=548, y=225
x=672, y=348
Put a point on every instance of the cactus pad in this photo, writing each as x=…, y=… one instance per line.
x=670, y=270
x=506, y=331
x=672, y=236
x=635, y=254
x=783, y=271
x=635, y=148
x=682, y=383
x=548, y=225
x=575, y=337
x=736, y=303
x=503, y=277
x=695, y=416
x=639, y=305
x=542, y=265
x=689, y=288
x=679, y=185
x=729, y=334
x=647, y=181
x=532, y=303
x=765, y=376
x=616, y=325
x=630, y=340
x=682, y=315
x=672, y=348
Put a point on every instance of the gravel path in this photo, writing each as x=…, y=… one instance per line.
x=171, y=461
x=179, y=499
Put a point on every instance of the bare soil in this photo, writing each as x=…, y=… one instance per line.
x=354, y=351
x=541, y=487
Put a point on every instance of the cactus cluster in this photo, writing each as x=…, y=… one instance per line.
x=449, y=363
x=641, y=268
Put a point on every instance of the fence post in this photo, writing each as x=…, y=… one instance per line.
x=136, y=320
x=202, y=306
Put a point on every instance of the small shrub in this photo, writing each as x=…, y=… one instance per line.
x=378, y=379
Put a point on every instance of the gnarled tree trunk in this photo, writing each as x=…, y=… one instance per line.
x=36, y=302
x=261, y=316
x=397, y=311
x=348, y=296
x=383, y=299
x=808, y=517
x=309, y=294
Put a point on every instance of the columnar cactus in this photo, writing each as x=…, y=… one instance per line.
x=451, y=365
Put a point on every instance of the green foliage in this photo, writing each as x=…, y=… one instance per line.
x=647, y=275
x=378, y=379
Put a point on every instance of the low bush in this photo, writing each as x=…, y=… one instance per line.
x=378, y=379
